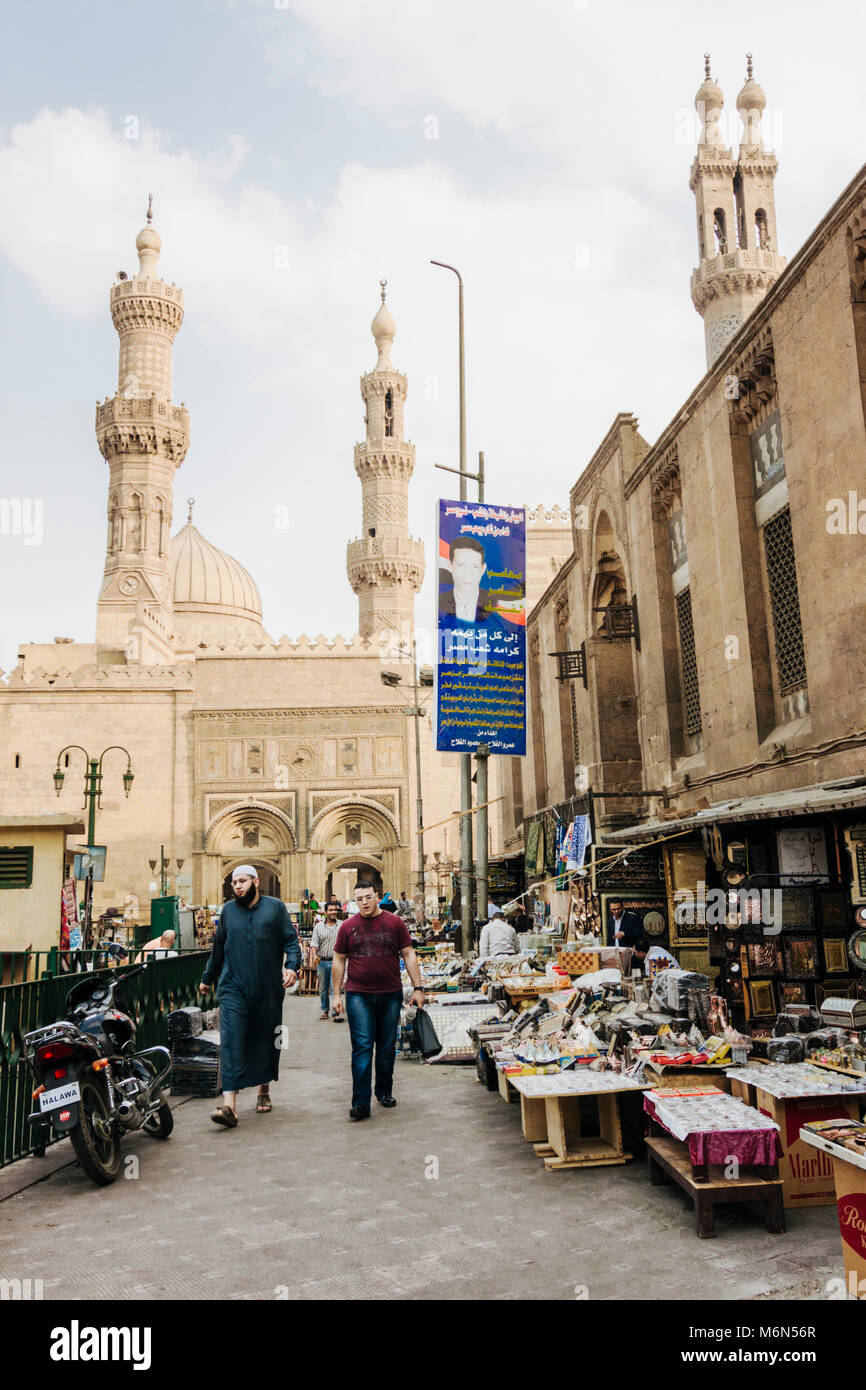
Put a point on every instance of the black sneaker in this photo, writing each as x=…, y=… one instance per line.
x=359, y=1112
x=388, y=1101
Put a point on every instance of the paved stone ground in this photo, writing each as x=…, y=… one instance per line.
x=304, y=1204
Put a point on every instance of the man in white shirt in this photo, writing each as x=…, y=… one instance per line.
x=498, y=938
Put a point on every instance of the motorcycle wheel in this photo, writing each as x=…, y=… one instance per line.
x=99, y=1156
x=160, y=1124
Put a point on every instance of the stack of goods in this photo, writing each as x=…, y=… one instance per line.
x=183, y=1023
x=195, y=1055
x=848, y=1134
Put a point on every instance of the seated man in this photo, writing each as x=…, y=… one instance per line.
x=159, y=947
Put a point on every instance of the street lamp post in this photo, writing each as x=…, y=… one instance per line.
x=92, y=799
x=466, y=932
x=424, y=678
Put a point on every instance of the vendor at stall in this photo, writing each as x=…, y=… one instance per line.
x=497, y=938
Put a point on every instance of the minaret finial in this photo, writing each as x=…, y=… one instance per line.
x=384, y=285
x=190, y=502
x=706, y=65
x=149, y=208
x=748, y=66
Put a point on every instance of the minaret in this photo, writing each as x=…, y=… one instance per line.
x=736, y=214
x=386, y=566
x=143, y=438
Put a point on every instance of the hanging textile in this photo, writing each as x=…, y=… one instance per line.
x=581, y=840
x=532, y=832
x=550, y=847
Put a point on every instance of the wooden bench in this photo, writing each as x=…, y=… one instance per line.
x=668, y=1160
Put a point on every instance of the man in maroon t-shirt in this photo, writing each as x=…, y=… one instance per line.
x=372, y=942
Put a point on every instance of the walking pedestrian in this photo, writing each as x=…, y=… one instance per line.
x=372, y=942
x=254, y=935
x=322, y=946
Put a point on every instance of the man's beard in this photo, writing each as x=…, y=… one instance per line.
x=248, y=897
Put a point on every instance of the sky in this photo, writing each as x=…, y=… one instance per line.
x=299, y=151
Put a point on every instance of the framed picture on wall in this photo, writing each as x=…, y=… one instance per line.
x=801, y=957
x=832, y=908
x=792, y=994
x=762, y=998
x=765, y=957
x=803, y=855
x=835, y=953
x=797, y=908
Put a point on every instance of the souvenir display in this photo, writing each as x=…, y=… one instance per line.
x=835, y=955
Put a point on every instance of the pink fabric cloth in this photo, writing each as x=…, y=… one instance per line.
x=747, y=1146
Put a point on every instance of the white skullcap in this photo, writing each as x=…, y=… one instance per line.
x=246, y=869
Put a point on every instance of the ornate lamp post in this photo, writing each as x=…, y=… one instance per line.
x=92, y=799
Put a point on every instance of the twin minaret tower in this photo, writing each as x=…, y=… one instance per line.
x=144, y=437
x=736, y=212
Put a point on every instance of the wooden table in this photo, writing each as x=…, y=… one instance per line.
x=550, y=1114
x=668, y=1158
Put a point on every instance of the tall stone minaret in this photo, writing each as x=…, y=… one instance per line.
x=736, y=214
x=143, y=437
x=386, y=566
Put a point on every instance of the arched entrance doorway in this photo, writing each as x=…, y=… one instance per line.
x=341, y=880
x=269, y=882
x=357, y=838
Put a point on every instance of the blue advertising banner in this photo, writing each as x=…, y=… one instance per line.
x=481, y=628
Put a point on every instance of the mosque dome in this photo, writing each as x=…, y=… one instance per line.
x=210, y=587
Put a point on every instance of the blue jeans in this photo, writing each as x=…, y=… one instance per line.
x=324, y=977
x=373, y=1019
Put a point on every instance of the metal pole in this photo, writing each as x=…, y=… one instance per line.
x=419, y=804
x=162, y=871
x=90, y=796
x=481, y=475
x=465, y=758
x=482, y=757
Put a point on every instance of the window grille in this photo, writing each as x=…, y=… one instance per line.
x=688, y=664
x=785, y=603
x=16, y=867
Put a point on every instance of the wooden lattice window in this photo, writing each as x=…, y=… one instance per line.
x=16, y=867
x=691, y=692
x=389, y=415
x=785, y=603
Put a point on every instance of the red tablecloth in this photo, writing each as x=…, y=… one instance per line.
x=747, y=1146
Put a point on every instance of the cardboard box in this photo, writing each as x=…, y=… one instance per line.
x=851, y=1204
x=806, y=1172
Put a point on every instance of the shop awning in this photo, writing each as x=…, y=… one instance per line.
x=817, y=800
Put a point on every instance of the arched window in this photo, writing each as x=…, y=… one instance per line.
x=720, y=232
x=701, y=242
x=389, y=415
x=762, y=235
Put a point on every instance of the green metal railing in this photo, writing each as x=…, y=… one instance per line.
x=150, y=997
x=17, y=967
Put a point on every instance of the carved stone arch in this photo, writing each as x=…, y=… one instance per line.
x=221, y=835
x=609, y=582
x=347, y=809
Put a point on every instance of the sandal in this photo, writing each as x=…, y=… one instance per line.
x=263, y=1104
x=224, y=1116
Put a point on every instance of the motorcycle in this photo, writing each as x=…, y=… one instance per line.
x=91, y=1082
